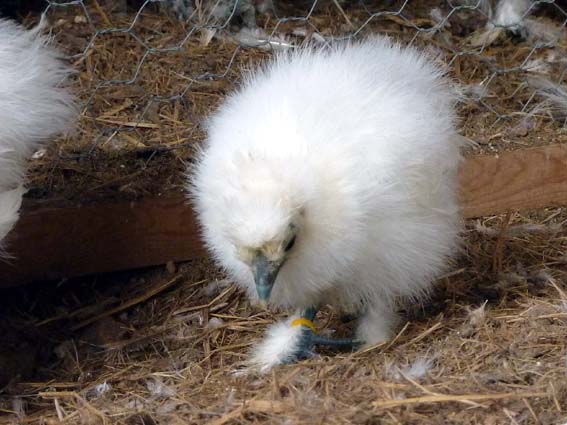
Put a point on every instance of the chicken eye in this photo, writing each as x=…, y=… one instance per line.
x=290, y=244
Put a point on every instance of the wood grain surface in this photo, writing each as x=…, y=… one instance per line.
x=51, y=242
x=523, y=179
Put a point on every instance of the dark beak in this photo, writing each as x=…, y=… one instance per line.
x=265, y=273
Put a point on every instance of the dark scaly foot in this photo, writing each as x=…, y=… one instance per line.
x=309, y=338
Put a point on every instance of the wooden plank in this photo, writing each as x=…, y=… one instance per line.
x=523, y=179
x=52, y=242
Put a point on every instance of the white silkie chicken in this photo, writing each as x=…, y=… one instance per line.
x=34, y=106
x=330, y=177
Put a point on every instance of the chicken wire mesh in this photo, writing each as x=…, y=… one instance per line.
x=147, y=77
x=149, y=72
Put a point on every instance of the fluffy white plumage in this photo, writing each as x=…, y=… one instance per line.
x=34, y=106
x=349, y=155
x=510, y=14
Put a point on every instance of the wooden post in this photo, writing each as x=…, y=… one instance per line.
x=52, y=242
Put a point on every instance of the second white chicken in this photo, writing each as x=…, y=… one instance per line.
x=35, y=105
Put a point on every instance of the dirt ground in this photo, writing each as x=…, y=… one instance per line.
x=168, y=345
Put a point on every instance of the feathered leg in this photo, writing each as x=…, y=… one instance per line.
x=377, y=324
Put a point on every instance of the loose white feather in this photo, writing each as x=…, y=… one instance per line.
x=506, y=15
x=555, y=94
x=510, y=14
x=416, y=370
x=34, y=106
x=356, y=145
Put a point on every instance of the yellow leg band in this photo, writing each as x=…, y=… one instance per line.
x=304, y=322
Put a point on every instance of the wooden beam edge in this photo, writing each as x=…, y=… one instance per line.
x=53, y=242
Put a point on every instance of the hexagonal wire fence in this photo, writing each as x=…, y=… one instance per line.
x=149, y=72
